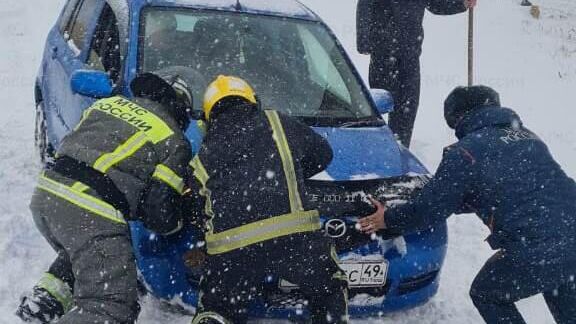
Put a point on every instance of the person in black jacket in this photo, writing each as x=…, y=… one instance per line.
x=506, y=175
x=251, y=169
x=391, y=32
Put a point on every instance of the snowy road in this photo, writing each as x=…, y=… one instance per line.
x=531, y=62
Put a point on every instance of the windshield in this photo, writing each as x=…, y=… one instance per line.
x=294, y=66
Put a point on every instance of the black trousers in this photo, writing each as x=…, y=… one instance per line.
x=234, y=279
x=399, y=74
x=509, y=277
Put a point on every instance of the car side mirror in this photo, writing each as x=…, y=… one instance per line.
x=383, y=100
x=89, y=83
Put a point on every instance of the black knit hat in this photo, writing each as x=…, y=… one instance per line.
x=463, y=100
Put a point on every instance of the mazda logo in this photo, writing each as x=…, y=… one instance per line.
x=335, y=228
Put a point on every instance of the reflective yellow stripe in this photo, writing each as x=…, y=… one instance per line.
x=58, y=289
x=145, y=121
x=199, y=171
x=264, y=230
x=79, y=186
x=202, y=126
x=287, y=160
x=345, y=295
x=85, y=116
x=166, y=175
x=122, y=152
x=81, y=199
x=202, y=175
x=209, y=315
x=340, y=275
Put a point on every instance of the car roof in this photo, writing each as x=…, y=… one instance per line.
x=282, y=8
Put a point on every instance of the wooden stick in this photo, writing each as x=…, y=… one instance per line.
x=470, y=46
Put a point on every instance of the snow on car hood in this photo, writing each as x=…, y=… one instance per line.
x=366, y=154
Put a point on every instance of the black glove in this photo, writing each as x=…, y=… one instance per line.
x=161, y=209
x=363, y=207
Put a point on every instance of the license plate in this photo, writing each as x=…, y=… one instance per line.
x=360, y=274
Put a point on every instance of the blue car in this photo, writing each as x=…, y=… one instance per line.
x=296, y=66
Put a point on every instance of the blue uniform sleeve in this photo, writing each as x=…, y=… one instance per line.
x=443, y=196
x=446, y=7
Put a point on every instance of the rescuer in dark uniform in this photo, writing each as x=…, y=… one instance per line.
x=251, y=169
x=126, y=160
x=505, y=174
x=391, y=32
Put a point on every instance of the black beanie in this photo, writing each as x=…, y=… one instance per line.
x=463, y=100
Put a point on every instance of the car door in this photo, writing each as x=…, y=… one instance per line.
x=68, y=54
x=102, y=54
x=53, y=71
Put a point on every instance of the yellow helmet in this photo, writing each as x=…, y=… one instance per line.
x=227, y=86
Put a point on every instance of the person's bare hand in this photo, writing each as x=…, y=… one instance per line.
x=470, y=3
x=371, y=224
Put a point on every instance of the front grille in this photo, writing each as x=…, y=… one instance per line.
x=347, y=200
x=416, y=283
x=371, y=291
x=344, y=197
x=295, y=300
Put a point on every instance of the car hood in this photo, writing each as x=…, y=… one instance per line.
x=367, y=154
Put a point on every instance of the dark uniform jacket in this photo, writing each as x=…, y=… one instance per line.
x=138, y=145
x=246, y=176
x=395, y=26
x=506, y=175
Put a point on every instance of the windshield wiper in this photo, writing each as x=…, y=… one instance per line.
x=364, y=123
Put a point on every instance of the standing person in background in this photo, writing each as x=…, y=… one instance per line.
x=391, y=32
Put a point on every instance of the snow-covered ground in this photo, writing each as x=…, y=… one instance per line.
x=531, y=62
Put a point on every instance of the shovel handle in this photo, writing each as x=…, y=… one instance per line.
x=471, y=46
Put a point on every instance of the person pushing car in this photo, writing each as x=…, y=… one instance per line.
x=505, y=174
x=126, y=160
x=251, y=170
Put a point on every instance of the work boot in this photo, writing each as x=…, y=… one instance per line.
x=40, y=306
x=526, y=3
x=209, y=318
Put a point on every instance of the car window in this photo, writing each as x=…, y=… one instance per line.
x=65, y=20
x=295, y=66
x=322, y=70
x=79, y=27
x=105, y=48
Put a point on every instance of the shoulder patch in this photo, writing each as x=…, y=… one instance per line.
x=462, y=152
x=467, y=155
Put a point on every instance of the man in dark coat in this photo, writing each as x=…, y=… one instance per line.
x=251, y=170
x=391, y=32
x=505, y=174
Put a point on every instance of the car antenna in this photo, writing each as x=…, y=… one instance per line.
x=238, y=5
